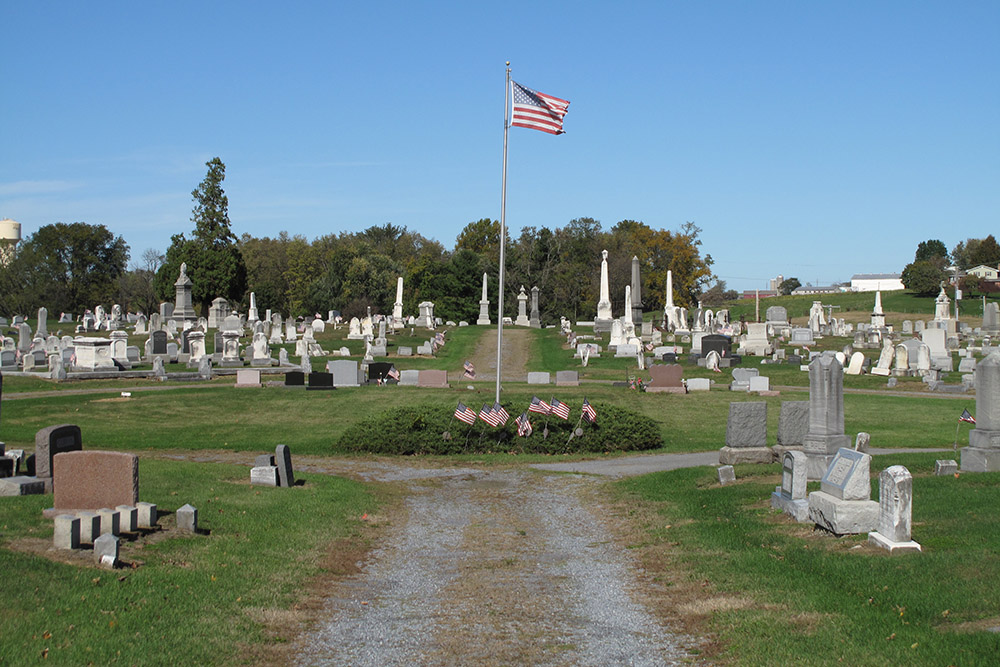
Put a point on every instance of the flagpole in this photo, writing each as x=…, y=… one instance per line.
x=503, y=229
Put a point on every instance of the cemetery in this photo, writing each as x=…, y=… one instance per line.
x=134, y=444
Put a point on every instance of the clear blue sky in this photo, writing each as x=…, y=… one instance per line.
x=810, y=139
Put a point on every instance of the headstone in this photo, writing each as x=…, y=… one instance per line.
x=53, y=440
x=247, y=377
x=66, y=533
x=567, y=379
x=295, y=379
x=699, y=384
x=484, y=307
x=826, y=414
x=187, y=519
x=602, y=323
x=727, y=475
x=746, y=434
x=793, y=424
x=668, y=379
x=147, y=514
x=89, y=480
x=344, y=371
x=106, y=550
x=790, y=497
x=90, y=526
x=842, y=504
x=855, y=365
x=534, y=319
x=716, y=343
x=944, y=467
x=983, y=452
x=264, y=476
x=283, y=459
x=522, y=309
x=895, y=512
x=433, y=378
x=128, y=518
x=159, y=338
x=110, y=521
x=539, y=378
x=182, y=309
x=760, y=383
x=320, y=381
x=409, y=378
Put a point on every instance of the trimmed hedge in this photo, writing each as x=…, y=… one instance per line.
x=430, y=429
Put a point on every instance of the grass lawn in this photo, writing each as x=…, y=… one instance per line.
x=776, y=592
x=195, y=599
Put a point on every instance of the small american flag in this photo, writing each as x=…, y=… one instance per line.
x=589, y=413
x=439, y=337
x=537, y=111
x=539, y=406
x=486, y=414
x=523, y=425
x=470, y=370
x=967, y=417
x=649, y=347
x=465, y=413
x=501, y=414
x=559, y=409
x=393, y=373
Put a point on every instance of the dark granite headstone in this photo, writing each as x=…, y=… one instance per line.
x=716, y=343
x=283, y=459
x=159, y=342
x=295, y=379
x=320, y=381
x=185, y=344
x=53, y=440
x=670, y=357
x=217, y=343
x=378, y=372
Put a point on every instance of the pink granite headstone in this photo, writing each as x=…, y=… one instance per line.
x=92, y=480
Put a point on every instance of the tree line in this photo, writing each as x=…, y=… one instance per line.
x=932, y=261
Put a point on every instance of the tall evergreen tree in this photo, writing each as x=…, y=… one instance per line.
x=214, y=262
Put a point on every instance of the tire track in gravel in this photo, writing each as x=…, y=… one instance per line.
x=493, y=568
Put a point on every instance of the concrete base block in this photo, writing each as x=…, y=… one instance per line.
x=817, y=465
x=880, y=540
x=731, y=455
x=842, y=517
x=66, y=534
x=666, y=390
x=974, y=459
x=983, y=439
x=797, y=509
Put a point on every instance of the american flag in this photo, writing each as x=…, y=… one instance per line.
x=967, y=417
x=439, y=337
x=537, y=111
x=465, y=413
x=500, y=413
x=523, y=425
x=559, y=409
x=393, y=373
x=589, y=413
x=486, y=414
x=649, y=347
x=539, y=406
x=470, y=370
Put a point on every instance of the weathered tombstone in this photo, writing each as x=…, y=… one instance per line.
x=409, y=378
x=187, y=519
x=945, y=467
x=283, y=459
x=793, y=423
x=264, y=475
x=106, y=550
x=536, y=377
x=826, y=414
x=790, y=497
x=147, y=514
x=727, y=475
x=842, y=504
x=855, y=364
x=895, y=512
x=159, y=338
x=50, y=441
x=983, y=452
x=567, y=379
x=66, y=533
x=746, y=434
x=246, y=377
x=128, y=520
x=669, y=379
x=699, y=384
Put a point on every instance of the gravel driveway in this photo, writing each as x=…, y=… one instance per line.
x=495, y=567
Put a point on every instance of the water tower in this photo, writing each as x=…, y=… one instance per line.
x=10, y=234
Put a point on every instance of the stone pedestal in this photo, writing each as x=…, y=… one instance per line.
x=983, y=452
x=183, y=310
x=522, y=309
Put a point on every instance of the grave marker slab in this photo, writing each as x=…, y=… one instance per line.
x=87, y=480
x=283, y=459
x=895, y=512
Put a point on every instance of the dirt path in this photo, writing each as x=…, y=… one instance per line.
x=489, y=568
x=516, y=349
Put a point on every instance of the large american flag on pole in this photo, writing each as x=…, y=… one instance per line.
x=537, y=111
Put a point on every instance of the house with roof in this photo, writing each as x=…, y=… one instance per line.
x=872, y=282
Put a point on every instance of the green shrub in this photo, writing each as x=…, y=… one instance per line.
x=427, y=429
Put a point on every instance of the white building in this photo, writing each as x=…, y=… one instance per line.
x=872, y=282
x=985, y=272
